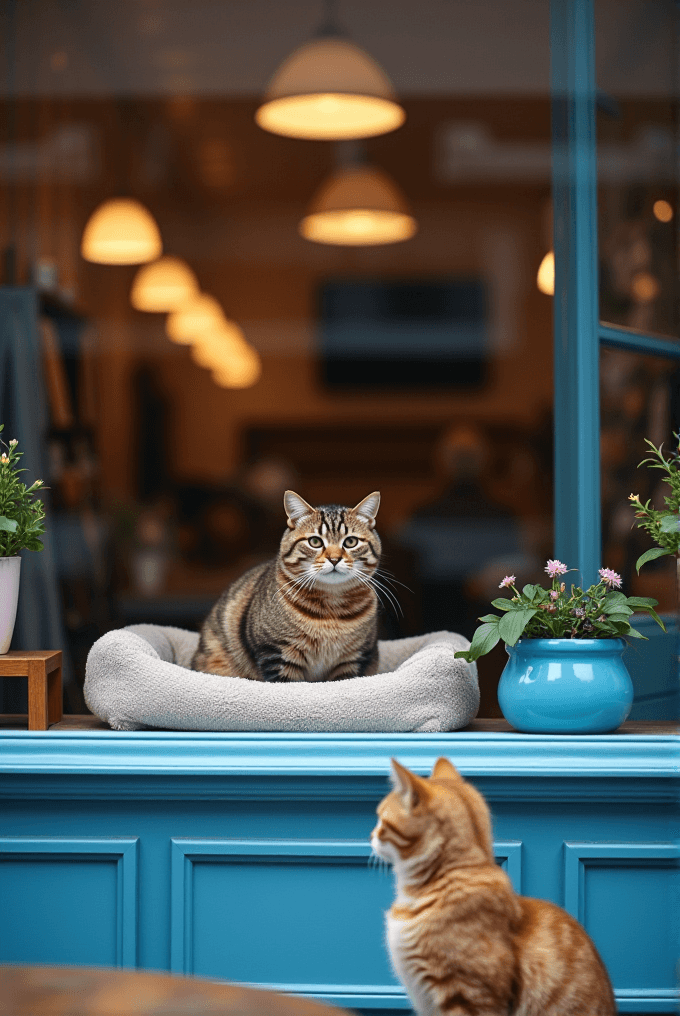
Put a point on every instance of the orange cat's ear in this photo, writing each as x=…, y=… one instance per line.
x=296, y=507
x=410, y=787
x=443, y=770
x=368, y=508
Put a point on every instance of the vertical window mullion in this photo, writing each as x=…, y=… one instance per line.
x=577, y=396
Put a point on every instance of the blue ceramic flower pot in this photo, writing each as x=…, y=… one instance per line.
x=566, y=686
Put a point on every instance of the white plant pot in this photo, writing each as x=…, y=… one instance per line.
x=10, y=568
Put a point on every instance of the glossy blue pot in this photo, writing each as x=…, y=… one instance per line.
x=566, y=686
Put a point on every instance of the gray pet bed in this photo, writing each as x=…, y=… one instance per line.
x=137, y=678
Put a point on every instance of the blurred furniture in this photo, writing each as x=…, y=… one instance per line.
x=245, y=856
x=43, y=670
x=83, y=991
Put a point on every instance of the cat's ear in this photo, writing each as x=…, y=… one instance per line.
x=443, y=770
x=296, y=507
x=410, y=787
x=368, y=508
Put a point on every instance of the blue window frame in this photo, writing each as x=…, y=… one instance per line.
x=578, y=331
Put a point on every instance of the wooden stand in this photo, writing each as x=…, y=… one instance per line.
x=43, y=670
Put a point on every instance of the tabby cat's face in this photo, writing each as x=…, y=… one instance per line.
x=424, y=819
x=330, y=545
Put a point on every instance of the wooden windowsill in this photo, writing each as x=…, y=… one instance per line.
x=93, y=724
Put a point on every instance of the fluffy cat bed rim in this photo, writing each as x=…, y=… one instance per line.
x=137, y=678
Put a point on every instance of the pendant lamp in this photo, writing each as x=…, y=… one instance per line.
x=330, y=89
x=241, y=372
x=202, y=313
x=163, y=285
x=121, y=232
x=545, y=277
x=358, y=206
x=225, y=352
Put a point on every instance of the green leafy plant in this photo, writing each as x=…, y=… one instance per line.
x=600, y=612
x=22, y=514
x=662, y=525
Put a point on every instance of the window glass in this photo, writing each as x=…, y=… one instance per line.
x=640, y=399
x=421, y=368
x=637, y=133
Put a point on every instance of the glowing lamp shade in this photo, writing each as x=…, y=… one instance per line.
x=330, y=89
x=359, y=206
x=121, y=232
x=201, y=314
x=226, y=353
x=240, y=372
x=545, y=278
x=163, y=285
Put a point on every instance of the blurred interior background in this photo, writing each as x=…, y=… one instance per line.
x=420, y=367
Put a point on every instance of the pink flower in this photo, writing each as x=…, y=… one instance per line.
x=554, y=594
x=611, y=578
x=554, y=568
x=507, y=582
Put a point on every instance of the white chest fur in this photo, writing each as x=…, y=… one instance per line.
x=398, y=945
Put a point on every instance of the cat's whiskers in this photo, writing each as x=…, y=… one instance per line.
x=377, y=586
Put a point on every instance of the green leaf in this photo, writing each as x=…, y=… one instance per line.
x=651, y=555
x=670, y=524
x=619, y=618
x=653, y=613
x=489, y=619
x=7, y=525
x=483, y=641
x=618, y=607
x=33, y=544
x=513, y=624
x=641, y=601
x=503, y=603
x=635, y=634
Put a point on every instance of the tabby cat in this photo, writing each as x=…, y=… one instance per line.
x=309, y=614
x=461, y=940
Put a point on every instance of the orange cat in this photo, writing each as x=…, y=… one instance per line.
x=461, y=940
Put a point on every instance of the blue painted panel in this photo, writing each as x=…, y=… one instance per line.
x=627, y=896
x=68, y=901
x=58, y=911
x=270, y=912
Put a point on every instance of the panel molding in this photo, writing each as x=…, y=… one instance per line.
x=511, y=852
x=577, y=858
x=186, y=852
x=124, y=851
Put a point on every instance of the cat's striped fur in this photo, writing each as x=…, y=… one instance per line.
x=310, y=614
x=461, y=940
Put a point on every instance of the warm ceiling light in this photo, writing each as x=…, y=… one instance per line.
x=545, y=278
x=663, y=211
x=330, y=89
x=163, y=285
x=121, y=232
x=359, y=206
x=200, y=314
x=241, y=372
x=226, y=353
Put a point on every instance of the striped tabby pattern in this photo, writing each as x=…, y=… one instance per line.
x=462, y=942
x=310, y=614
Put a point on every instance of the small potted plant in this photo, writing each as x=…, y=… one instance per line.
x=663, y=525
x=565, y=673
x=22, y=522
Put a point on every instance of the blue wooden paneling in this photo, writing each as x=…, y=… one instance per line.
x=607, y=883
x=240, y=833
x=70, y=901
